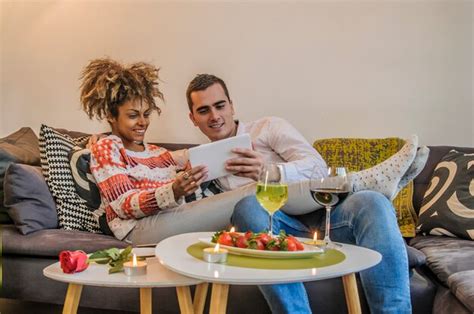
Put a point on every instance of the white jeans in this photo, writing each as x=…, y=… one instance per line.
x=209, y=214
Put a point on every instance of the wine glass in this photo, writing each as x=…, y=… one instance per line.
x=328, y=192
x=272, y=190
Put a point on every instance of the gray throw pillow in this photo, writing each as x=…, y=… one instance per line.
x=18, y=147
x=28, y=200
x=448, y=204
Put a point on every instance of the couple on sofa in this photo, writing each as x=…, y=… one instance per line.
x=139, y=183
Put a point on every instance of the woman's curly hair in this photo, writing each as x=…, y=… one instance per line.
x=107, y=84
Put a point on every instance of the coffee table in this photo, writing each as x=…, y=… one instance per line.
x=173, y=255
x=97, y=275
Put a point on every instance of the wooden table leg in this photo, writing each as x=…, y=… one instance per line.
x=352, y=294
x=200, y=297
x=145, y=300
x=73, y=296
x=219, y=296
x=184, y=300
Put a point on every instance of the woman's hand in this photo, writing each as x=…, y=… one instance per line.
x=189, y=181
x=94, y=139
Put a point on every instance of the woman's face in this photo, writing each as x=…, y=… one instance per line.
x=131, y=123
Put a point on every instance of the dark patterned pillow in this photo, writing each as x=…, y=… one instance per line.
x=86, y=186
x=73, y=213
x=448, y=204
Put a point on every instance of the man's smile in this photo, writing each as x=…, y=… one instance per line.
x=216, y=125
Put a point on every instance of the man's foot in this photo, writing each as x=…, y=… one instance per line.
x=385, y=177
x=415, y=168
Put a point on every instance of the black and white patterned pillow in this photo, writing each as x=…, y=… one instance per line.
x=448, y=204
x=84, y=181
x=73, y=213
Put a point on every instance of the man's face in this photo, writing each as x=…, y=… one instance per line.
x=213, y=113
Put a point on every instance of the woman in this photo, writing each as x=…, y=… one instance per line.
x=136, y=180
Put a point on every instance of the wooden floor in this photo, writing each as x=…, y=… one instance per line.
x=8, y=306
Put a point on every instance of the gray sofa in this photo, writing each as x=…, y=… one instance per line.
x=441, y=285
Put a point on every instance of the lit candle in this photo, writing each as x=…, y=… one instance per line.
x=315, y=240
x=215, y=254
x=134, y=268
x=232, y=229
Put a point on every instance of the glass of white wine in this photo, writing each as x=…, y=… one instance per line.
x=328, y=192
x=272, y=190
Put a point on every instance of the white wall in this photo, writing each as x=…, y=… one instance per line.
x=343, y=68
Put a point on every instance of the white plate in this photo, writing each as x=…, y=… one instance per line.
x=308, y=251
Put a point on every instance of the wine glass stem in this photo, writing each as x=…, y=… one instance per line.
x=328, y=224
x=270, y=231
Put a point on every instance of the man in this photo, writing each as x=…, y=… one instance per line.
x=365, y=218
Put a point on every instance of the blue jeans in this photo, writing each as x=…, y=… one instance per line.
x=366, y=219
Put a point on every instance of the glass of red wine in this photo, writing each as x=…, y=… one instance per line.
x=328, y=192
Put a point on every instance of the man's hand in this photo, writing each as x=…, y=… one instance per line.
x=249, y=164
x=189, y=181
x=94, y=139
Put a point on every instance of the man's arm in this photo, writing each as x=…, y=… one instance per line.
x=301, y=158
x=278, y=138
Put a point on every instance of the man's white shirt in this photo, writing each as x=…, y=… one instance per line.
x=278, y=141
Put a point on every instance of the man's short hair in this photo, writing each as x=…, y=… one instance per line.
x=201, y=82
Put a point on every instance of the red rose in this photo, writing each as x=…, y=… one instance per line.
x=73, y=261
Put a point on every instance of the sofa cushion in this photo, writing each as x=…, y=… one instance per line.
x=28, y=200
x=50, y=242
x=416, y=258
x=445, y=256
x=448, y=204
x=357, y=154
x=73, y=212
x=21, y=147
x=422, y=181
x=461, y=285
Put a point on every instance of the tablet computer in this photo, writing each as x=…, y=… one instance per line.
x=215, y=154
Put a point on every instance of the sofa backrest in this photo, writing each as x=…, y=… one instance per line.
x=421, y=182
x=423, y=179
x=174, y=146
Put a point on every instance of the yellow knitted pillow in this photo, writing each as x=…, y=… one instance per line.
x=357, y=154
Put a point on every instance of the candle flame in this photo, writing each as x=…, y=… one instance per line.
x=134, y=263
x=216, y=248
x=232, y=229
x=315, y=237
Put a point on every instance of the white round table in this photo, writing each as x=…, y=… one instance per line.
x=97, y=275
x=173, y=255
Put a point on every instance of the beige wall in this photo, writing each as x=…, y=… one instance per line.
x=342, y=68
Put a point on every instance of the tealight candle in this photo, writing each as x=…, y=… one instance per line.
x=134, y=268
x=215, y=254
x=315, y=241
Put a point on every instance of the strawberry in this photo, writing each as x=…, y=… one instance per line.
x=242, y=242
x=256, y=244
x=264, y=237
x=299, y=245
x=225, y=239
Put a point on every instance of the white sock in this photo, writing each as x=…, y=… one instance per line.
x=417, y=165
x=384, y=177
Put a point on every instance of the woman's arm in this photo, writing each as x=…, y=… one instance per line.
x=109, y=168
